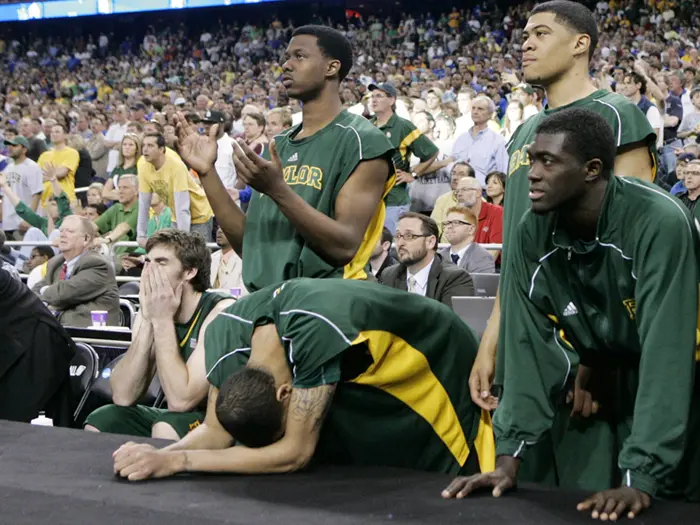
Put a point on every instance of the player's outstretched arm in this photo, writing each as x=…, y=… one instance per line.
x=139, y=461
x=483, y=370
x=201, y=450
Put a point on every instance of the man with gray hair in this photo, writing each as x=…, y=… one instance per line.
x=119, y=222
x=482, y=148
x=79, y=280
x=489, y=229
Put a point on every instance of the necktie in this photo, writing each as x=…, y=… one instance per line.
x=64, y=271
x=455, y=257
x=412, y=284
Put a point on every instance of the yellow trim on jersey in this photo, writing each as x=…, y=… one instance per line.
x=485, y=443
x=189, y=331
x=403, y=372
x=355, y=269
x=654, y=166
x=407, y=141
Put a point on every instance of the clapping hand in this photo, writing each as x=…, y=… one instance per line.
x=198, y=151
x=260, y=174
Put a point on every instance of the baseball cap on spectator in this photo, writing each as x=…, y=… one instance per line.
x=386, y=87
x=437, y=91
x=138, y=106
x=213, y=117
x=18, y=141
x=527, y=88
x=180, y=101
x=686, y=157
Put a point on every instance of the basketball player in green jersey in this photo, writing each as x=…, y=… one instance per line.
x=175, y=309
x=560, y=39
x=317, y=208
x=333, y=370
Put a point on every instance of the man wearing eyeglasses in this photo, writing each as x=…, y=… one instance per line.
x=460, y=229
x=489, y=229
x=421, y=270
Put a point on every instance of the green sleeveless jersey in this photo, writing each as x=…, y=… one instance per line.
x=629, y=125
x=188, y=333
x=403, y=385
x=317, y=168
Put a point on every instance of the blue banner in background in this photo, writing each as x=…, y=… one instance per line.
x=72, y=8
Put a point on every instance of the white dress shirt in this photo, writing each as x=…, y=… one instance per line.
x=421, y=280
x=460, y=254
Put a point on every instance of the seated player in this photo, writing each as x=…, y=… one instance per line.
x=175, y=308
x=336, y=371
x=605, y=274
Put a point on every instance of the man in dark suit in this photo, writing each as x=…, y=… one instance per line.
x=459, y=229
x=79, y=280
x=381, y=257
x=35, y=354
x=421, y=270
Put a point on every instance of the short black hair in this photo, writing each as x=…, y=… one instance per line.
x=99, y=207
x=638, y=79
x=46, y=251
x=160, y=139
x=387, y=236
x=248, y=409
x=588, y=135
x=574, y=15
x=332, y=43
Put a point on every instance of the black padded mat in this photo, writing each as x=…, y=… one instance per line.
x=60, y=476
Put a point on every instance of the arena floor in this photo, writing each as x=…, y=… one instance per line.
x=60, y=476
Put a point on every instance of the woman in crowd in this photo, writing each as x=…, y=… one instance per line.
x=129, y=154
x=513, y=118
x=496, y=187
x=94, y=193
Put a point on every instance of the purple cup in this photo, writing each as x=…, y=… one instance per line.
x=99, y=318
x=236, y=292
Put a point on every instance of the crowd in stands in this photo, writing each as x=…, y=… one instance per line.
x=88, y=122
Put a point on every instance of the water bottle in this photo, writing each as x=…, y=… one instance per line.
x=42, y=420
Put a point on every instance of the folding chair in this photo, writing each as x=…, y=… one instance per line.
x=84, y=368
x=485, y=284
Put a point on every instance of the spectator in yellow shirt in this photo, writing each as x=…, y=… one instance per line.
x=60, y=160
x=161, y=171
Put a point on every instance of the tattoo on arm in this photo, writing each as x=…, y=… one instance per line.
x=308, y=403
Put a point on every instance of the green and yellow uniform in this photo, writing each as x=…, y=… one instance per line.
x=402, y=397
x=138, y=420
x=630, y=126
x=317, y=168
x=624, y=304
x=406, y=140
